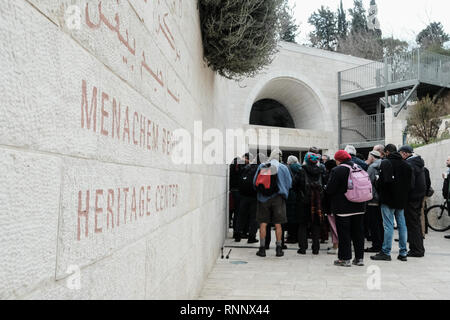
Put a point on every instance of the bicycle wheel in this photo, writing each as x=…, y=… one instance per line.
x=438, y=218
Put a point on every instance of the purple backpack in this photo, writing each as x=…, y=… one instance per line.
x=359, y=188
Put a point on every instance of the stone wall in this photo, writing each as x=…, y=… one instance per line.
x=91, y=94
x=435, y=156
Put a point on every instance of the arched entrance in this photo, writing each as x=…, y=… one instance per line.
x=297, y=110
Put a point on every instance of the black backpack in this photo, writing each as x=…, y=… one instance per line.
x=246, y=180
x=312, y=184
x=267, y=180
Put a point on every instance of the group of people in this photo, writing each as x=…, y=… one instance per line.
x=309, y=199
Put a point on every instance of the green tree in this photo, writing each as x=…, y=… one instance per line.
x=289, y=29
x=359, y=20
x=342, y=23
x=325, y=34
x=433, y=36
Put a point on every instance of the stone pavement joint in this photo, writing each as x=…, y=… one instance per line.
x=308, y=277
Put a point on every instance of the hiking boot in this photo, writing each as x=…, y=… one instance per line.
x=261, y=252
x=402, y=258
x=343, y=263
x=300, y=251
x=381, y=257
x=252, y=240
x=358, y=262
x=279, y=251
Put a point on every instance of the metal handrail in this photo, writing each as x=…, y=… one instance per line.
x=414, y=65
x=368, y=127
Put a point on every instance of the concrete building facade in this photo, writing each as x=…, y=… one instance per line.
x=91, y=205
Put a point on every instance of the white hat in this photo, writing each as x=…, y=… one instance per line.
x=351, y=150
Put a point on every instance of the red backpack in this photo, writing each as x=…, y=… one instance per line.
x=267, y=180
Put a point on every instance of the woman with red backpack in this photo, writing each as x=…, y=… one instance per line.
x=349, y=215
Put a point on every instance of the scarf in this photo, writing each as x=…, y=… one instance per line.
x=316, y=204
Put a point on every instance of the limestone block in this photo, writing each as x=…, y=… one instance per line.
x=29, y=210
x=120, y=276
x=125, y=204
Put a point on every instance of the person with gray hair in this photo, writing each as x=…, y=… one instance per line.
x=380, y=149
x=351, y=150
x=374, y=216
x=292, y=160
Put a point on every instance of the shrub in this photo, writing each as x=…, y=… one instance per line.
x=425, y=120
x=239, y=36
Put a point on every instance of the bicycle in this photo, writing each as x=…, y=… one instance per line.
x=438, y=217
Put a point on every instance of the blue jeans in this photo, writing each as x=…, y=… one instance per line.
x=388, y=223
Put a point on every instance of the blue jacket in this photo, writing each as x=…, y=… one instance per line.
x=360, y=162
x=284, y=181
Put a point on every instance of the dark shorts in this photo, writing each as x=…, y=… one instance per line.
x=272, y=211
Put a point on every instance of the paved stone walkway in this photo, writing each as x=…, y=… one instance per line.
x=315, y=277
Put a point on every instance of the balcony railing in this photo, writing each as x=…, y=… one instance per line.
x=363, y=130
x=417, y=65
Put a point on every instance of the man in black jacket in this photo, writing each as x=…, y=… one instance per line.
x=235, y=173
x=394, y=185
x=445, y=187
x=415, y=200
x=247, y=194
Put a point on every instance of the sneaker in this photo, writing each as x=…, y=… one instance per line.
x=279, y=251
x=343, y=263
x=358, y=262
x=261, y=252
x=332, y=251
x=252, y=240
x=372, y=250
x=402, y=258
x=300, y=251
x=381, y=256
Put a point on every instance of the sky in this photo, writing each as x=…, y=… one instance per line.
x=403, y=19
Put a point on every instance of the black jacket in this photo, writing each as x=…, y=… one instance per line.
x=235, y=174
x=337, y=188
x=445, y=187
x=394, y=183
x=418, y=183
